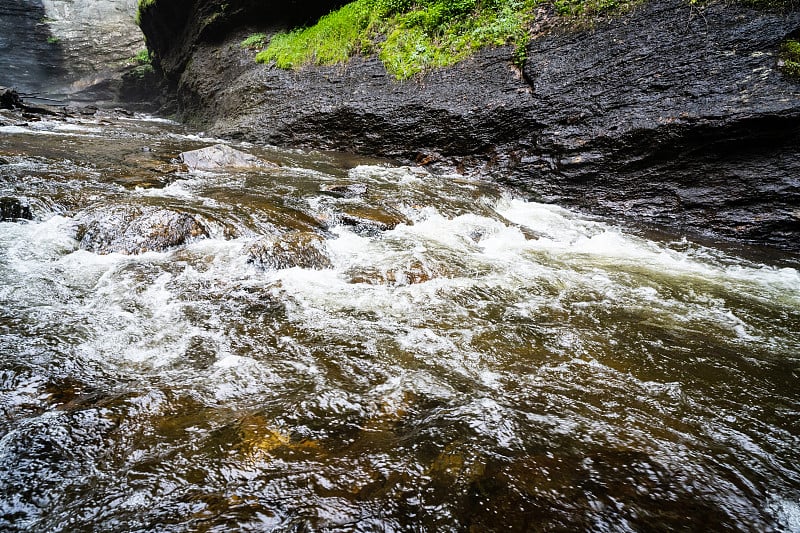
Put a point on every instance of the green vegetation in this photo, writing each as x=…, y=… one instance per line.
x=408, y=36
x=588, y=8
x=142, y=57
x=257, y=41
x=143, y=62
x=790, y=58
x=53, y=40
x=333, y=39
x=411, y=36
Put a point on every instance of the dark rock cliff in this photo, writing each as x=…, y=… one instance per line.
x=669, y=116
x=78, y=50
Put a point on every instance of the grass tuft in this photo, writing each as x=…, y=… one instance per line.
x=257, y=41
x=408, y=36
x=335, y=38
x=142, y=57
x=589, y=8
x=789, y=59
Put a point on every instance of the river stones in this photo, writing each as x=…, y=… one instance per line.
x=347, y=190
x=9, y=98
x=136, y=229
x=145, y=169
x=372, y=219
x=412, y=273
x=302, y=249
x=13, y=209
x=259, y=439
x=221, y=157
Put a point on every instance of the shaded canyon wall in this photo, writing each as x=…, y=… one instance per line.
x=70, y=49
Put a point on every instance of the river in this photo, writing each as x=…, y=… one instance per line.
x=343, y=344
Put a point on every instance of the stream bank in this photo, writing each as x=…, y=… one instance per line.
x=669, y=116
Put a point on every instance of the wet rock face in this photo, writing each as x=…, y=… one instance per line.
x=94, y=36
x=136, y=229
x=13, y=209
x=670, y=116
x=9, y=98
x=174, y=27
x=677, y=117
x=70, y=49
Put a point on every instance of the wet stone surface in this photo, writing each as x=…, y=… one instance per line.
x=297, y=249
x=132, y=229
x=12, y=209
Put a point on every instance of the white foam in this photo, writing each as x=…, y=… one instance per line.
x=577, y=240
x=387, y=174
x=787, y=513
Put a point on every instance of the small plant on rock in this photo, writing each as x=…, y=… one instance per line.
x=257, y=41
x=142, y=63
x=142, y=57
x=789, y=58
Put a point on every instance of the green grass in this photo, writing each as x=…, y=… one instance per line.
x=335, y=38
x=408, y=36
x=256, y=41
x=142, y=57
x=412, y=36
x=589, y=8
x=790, y=58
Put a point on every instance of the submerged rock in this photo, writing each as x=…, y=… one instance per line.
x=13, y=209
x=368, y=220
x=302, y=249
x=219, y=157
x=413, y=273
x=130, y=229
x=350, y=190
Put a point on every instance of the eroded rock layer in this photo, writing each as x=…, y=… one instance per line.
x=670, y=115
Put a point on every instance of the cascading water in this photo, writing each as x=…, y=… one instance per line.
x=339, y=344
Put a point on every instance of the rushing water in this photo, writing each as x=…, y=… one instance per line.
x=446, y=356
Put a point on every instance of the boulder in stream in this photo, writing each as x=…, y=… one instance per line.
x=302, y=249
x=219, y=157
x=130, y=229
x=371, y=220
